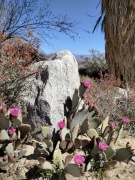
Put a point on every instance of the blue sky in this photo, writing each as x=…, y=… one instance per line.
x=77, y=10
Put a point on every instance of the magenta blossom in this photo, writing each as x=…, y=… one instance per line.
x=84, y=95
x=14, y=111
x=112, y=124
x=103, y=146
x=12, y=131
x=125, y=119
x=61, y=124
x=86, y=83
x=78, y=159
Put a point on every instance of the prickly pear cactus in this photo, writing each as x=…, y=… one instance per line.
x=4, y=117
x=82, y=142
x=124, y=154
x=12, y=133
x=84, y=113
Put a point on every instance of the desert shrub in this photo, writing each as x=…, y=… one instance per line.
x=16, y=56
x=105, y=95
x=95, y=61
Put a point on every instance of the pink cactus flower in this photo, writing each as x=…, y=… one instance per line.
x=103, y=146
x=86, y=84
x=78, y=159
x=61, y=124
x=112, y=124
x=14, y=111
x=84, y=95
x=125, y=119
x=12, y=131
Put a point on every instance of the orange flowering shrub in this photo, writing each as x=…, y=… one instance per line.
x=15, y=58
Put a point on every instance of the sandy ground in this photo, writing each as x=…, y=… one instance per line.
x=25, y=167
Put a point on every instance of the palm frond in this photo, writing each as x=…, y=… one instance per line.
x=97, y=23
x=98, y=4
x=102, y=24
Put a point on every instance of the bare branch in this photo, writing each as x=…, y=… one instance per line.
x=16, y=16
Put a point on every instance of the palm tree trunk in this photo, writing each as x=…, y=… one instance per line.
x=119, y=28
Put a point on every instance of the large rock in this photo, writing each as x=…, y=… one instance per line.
x=45, y=93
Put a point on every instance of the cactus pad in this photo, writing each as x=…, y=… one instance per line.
x=81, y=116
x=73, y=169
x=77, y=143
x=75, y=100
x=92, y=133
x=122, y=154
x=74, y=132
x=17, y=120
x=68, y=159
x=24, y=130
x=4, y=120
x=104, y=124
x=45, y=130
x=109, y=152
x=4, y=135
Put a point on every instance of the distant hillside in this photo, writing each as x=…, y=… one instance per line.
x=81, y=57
x=77, y=56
